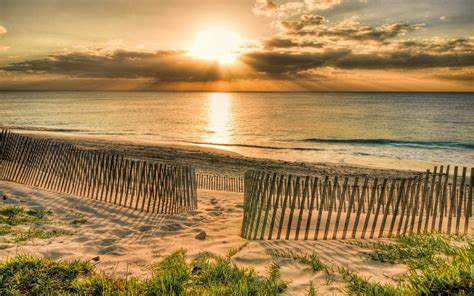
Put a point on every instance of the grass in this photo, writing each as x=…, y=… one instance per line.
x=234, y=251
x=205, y=275
x=13, y=215
x=437, y=265
x=32, y=233
x=34, y=276
x=356, y=285
x=311, y=290
x=312, y=260
x=5, y=229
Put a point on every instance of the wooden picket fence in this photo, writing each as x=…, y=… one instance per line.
x=220, y=182
x=295, y=207
x=58, y=166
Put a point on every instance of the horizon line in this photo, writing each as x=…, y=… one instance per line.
x=234, y=91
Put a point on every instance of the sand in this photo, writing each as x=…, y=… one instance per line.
x=128, y=241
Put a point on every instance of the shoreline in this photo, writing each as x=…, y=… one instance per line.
x=218, y=160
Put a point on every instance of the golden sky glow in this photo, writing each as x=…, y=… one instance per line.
x=241, y=45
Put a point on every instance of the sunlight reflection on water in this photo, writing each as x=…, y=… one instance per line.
x=220, y=122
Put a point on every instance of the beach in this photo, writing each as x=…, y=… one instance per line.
x=125, y=242
x=218, y=160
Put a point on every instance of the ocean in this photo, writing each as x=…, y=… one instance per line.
x=358, y=128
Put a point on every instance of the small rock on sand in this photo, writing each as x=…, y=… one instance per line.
x=201, y=235
x=96, y=258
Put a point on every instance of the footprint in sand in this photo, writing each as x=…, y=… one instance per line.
x=193, y=213
x=171, y=227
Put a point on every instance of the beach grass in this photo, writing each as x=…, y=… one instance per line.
x=14, y=215
x=438, y=264
x=174, y=275
x=32, y=233
x=312, y=260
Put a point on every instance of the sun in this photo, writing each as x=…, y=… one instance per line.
x=217, y=44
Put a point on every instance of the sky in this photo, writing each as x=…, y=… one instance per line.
x=237, y=45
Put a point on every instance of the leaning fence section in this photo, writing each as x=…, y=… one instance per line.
x=220, y=182
x=140, y=185
x=312, y=208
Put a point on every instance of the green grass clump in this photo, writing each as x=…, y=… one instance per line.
x=32, y=233
x=213, y=275
x=169, y=276
x=437, y=266
x=311, y=290
x=26, y=275
x=205, y=275
x=312, y=260
x=5, y=229
x=13, y=215
x=453, y=276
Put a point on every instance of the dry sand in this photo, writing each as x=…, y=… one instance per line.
x=128, y=241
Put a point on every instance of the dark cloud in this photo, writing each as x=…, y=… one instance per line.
x=351, y=30
x=286, y=63
x=438, y=45
x=160, y=65
x=282, y=42
x=405, y=60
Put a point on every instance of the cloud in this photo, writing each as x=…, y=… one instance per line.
x=2, y=30
x=265, y=7
x=353, y=30
x=463, y=76
x=179, y=66
x=290, y=63
x=439, y=45
x=282, y=42
x=159, y=65
x=269, y=8
x=321, y=4
x=307, y=20
x=406, y=60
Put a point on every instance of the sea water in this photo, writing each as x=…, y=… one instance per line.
x=336, y=127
